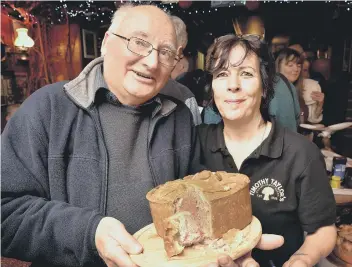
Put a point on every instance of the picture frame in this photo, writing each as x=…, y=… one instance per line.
x=90, y=49
x=22, y=85
x=7, y=88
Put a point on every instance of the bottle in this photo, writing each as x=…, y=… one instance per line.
x=335, y=181
x=339, y=166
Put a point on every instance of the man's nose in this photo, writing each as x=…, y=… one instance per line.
x=151, y=61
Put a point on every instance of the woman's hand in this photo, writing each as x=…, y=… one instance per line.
x=266, y=242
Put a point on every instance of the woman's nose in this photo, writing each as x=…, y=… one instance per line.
x=233, y=83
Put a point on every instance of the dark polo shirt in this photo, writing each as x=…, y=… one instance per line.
x=289, y=188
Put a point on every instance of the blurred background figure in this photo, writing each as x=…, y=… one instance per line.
x=306, y=69
x=182, y=39
x=173, y=87
x=289, y=62
x=299, y=49
x=10, y=111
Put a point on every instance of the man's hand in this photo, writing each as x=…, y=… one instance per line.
x=114, y=243
x=266, y=242
x=317, y=96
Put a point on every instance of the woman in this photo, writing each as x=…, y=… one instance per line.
x=289, y=63
x=289, y=187
x=306, y=69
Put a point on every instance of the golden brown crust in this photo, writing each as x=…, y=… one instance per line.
x=218, y=201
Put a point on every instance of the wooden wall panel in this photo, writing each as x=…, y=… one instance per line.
x=65, y=53
x=7, y=33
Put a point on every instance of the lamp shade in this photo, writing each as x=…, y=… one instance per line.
x=23, y=40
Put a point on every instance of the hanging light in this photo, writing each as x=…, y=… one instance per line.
x=23, y=41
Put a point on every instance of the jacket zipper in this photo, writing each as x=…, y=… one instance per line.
x=150, y=135
x=105, y=182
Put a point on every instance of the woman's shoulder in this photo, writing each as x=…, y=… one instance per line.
x=298, y=144
x=207, y=128
x=209, y=133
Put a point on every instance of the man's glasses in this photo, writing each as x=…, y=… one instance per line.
x=144, y=48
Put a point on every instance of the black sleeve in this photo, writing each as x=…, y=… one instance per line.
x=33, y=227
x=196, y=165
x=317, y=207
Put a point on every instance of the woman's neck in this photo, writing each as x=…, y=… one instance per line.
x=242, y=131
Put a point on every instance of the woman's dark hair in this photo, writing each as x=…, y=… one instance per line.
x=218, y=55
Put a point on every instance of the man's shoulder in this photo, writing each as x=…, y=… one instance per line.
x=54, y=89
x=177, y=90
x=46, y=96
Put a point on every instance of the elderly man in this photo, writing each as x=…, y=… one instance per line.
x=78, y=158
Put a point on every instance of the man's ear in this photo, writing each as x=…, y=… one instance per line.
x=180, y=52
x=103, y=44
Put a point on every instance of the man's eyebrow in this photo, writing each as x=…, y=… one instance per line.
x=139, y=34
x=142, y=34
x=169, y=47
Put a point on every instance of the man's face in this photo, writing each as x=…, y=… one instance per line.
x=132, y=78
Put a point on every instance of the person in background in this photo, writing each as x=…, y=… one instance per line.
x=306, y=69
x=290, y=191
x=10, y=111
x=173, y=87
x=284, y=106
x=289, y=63
x=335, y=86
x=182, y=39
x=299, y=49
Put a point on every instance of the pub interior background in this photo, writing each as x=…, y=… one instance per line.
x=43, y=42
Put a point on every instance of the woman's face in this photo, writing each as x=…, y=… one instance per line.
x=238, y=89
x=305, y=69
x=291, y=69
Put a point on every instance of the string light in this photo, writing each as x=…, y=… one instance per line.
x=90, y=12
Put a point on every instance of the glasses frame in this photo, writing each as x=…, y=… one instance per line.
x=177, y=59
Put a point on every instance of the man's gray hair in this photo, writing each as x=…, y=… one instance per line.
x=181, y=31
x=119, y=16
x=122, y=11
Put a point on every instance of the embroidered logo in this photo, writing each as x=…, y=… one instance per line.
x=268, y=189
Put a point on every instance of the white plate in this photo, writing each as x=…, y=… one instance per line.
x=316, y=127
x=339, y=126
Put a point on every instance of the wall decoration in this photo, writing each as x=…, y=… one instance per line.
x=7, y=88
x=89, y=44
x=22, y=85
